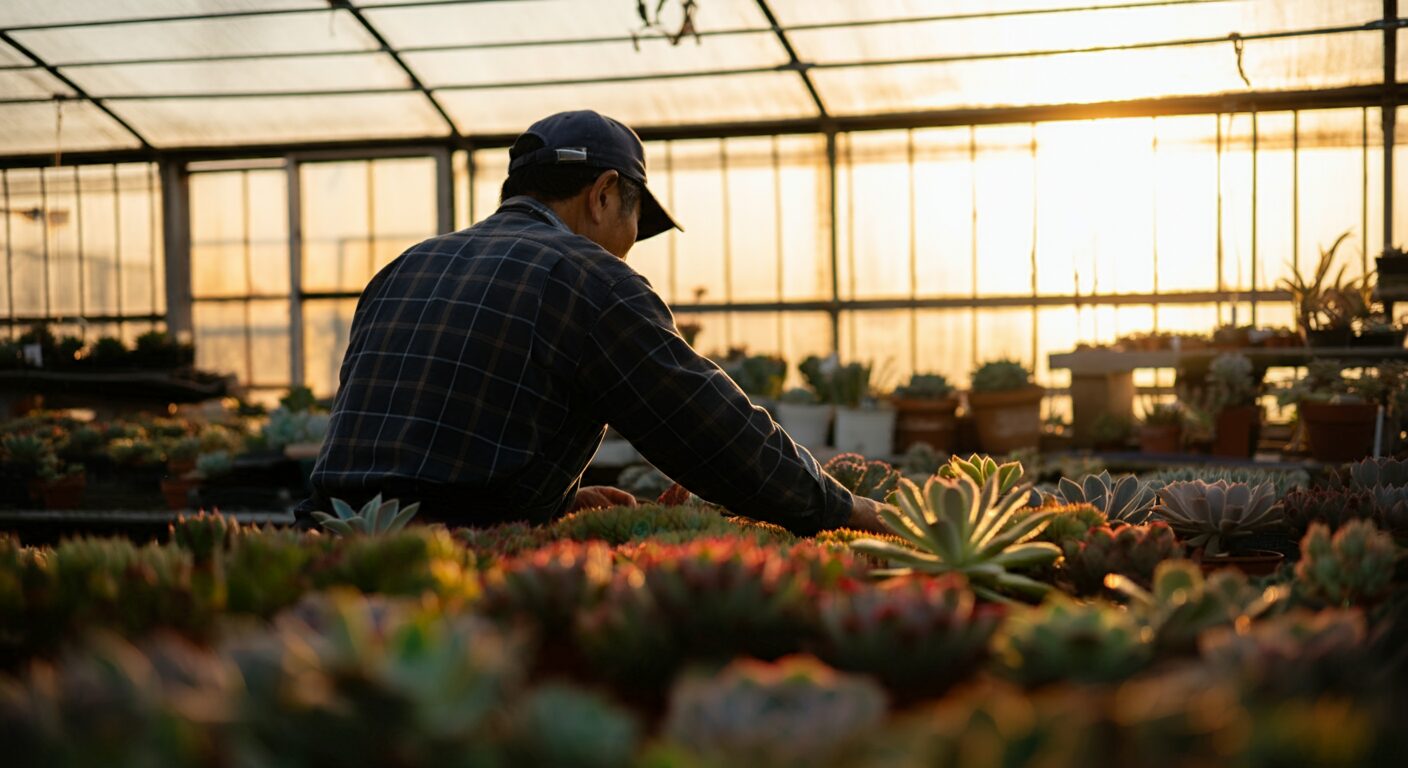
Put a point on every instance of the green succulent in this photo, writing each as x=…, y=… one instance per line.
x=24, y=452
x=1069, y=522
x=1392, y=512
x=1001, y=376
x=1094, y=642
x=979, y=468
x=800, y=396
x=758, y=375
x=1123, y=499
x=958, y=526
x=376, y=517
x=559, y=725
x=1300, y=652
x=1283, y=481
x=871, y=479
x=1333, y=507
x=266, y=570
x=549, y=586
x=409, y=562
x=204, y=534
x=795, y=712
x=619, y=525
x=1184, y=603
x=926, y=386
x=494, y=543
x=1214, y=515
x=921, y=460
x=1354, y=566
x=918, y=635
x=1373, y=473
x=1131, y=551
x=108, y=352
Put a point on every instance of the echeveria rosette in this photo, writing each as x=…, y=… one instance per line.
x=957, y=526
x=1212, y=515
x=1123, y=499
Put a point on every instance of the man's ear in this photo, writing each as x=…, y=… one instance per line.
x=598, y=198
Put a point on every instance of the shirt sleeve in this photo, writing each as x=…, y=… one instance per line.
x=689, y=419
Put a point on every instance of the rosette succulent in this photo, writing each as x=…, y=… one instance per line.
x=958, y=526
x=1354, y=566
x=548, y=586
x=979, y=468
x=1184, y=603
x=871, y=479
x=375, y=517
x=620, y=525
x=558, y=725
x=1214, y=515
x=1123, y=499
x=1065, y=640
x=1131, y=551
x=1332, y=507
x=1373, y=473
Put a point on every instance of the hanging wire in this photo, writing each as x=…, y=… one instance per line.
x=1238, y=46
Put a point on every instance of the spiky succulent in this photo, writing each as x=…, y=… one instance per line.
x=1131, y=551
x=1333, y=507
x=1123, y=499
x=374, y=518
x=916, y=634
x=958, y=526
x=1214, y=515
x=1354, y=566
x=1184, y=603
x=548, y=586
x=203, y=534
x=871, y=479
x=1373, y=473
x=979, y=468
x=795, y=712
x=266, y=570
x=620, y=525
x=1063, y=639
x=409, y=562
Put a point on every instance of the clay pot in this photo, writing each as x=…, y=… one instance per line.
x=1256, y=562
x=178, y=467
x=64, y=493
x=925, y=421
x=1339, y=432
x=1238, y=430
x=1007, y=421
x=1161, y=438
x=178, y=492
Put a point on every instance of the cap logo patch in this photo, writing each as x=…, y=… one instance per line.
x=572, y=155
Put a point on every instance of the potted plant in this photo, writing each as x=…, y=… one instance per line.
x=924, y=413
x=759, y=376
x=1392, y=266
x=1324, y=308
x=1378, y=331
x=1006, y=406
x=1231, y=393
x=1161, y=430
x=181, y=453
x=805, y=412
x=1218, y=518
x=58, y=484
x=1337, y=420
x=1110, y=432
x=864, y=424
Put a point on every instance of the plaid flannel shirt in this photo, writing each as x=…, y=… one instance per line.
x=484, y=365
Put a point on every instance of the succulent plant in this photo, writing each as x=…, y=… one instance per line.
x=871, y=479
x=979, y=468
x=1123, y=499
x=707, y=599
x=494, y=543
x=1282, y=480
x=1392, y=512
x=926, y=386
x=1183, y=603
x=619, y=525
x=266, y=570
x=795, y=712
x=1373, y=473
x=1131, y=551
x=24, y=452
x=1165, y=415
x=557, y=724
x=410, y=562
x=1064, y=640
x=921, y=460
x=957, y=526
x=376, y=517
x=758, y=375
x=1333, y=507
x=1355, y=566
x=916, y=634
x=134, y=452
x=549, y=586
x=204, y=534
x=286, y=427
x=1299, y=652
x=1001, y=376
x=800, y=396
x=1231, y=382
x=1069, y=522
x=1214, y=515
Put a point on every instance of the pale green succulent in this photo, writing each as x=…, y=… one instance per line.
x=1064, y=639
x=375, y=517
x=958, y=526
x=1124, y=499
x=1214, y=515
x=979, y=468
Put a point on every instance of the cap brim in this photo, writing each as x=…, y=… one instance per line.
x=654, y=219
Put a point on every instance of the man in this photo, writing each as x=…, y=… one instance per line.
x=484, y=365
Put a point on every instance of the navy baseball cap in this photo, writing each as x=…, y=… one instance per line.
x=585, y=137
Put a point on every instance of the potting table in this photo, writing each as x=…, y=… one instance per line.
x=113, y=392
x=1102, y=380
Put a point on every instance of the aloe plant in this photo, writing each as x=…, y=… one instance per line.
x=1123, y=499
x=958, y=526
x=1214, y=515
x=374, y=518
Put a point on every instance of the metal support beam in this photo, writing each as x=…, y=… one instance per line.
x=1390, y=111
x=295, y=272
x=176, y=235
x=78, y=91
x=793, y=61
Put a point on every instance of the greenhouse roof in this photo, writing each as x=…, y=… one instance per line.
x=113, y=75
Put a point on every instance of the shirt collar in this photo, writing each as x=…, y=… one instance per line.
x=536, y=207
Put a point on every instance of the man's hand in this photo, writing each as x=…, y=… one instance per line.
x=593, y=496
x=865, y=516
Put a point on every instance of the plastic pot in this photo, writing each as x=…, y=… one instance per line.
x=925, y=421
x=867, y=431
x=1007, y=421
x=1339, y=432
x=807, y=423
x=1238, y=430
x=1161, y=438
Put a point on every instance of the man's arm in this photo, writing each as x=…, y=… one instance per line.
x=689, y=419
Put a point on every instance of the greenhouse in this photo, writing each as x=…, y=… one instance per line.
x=700, y=383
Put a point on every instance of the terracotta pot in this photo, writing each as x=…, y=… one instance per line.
x=178, y=467
x=808, y=424
x=178, y=491
x=1257, y=562
x=867, y=431
x=1161, y=438
x=1339, y=432
x=1329, y=337
x=64, y=493
x=1238, y=430
x=925, y=421
x=1007, y=421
